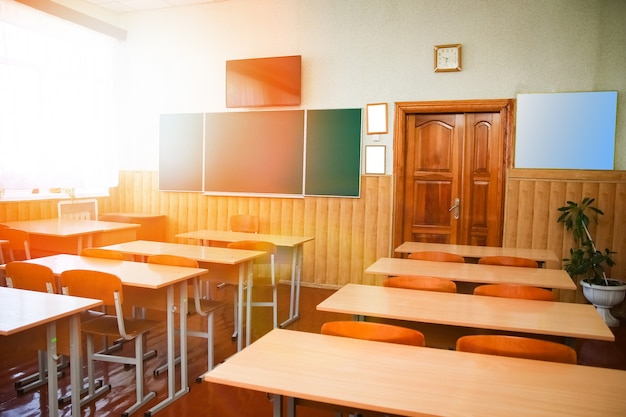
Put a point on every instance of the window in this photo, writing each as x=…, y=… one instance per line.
x=57, y=114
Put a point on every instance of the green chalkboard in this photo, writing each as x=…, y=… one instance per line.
x=262, y=153
x=333, y=153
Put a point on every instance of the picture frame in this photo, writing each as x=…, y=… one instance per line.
x=375, y=159
x=376, y=118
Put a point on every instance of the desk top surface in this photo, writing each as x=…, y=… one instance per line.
x=135, y=274
x=418, y=381
x=68, y=227
x=226, y=236
x=21, y=309
x=466, y=310
x=207, y=254
x=477, y=252
x=467, y=272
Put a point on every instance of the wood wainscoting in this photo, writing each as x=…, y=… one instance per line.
x=351, y=233
x=533, y=197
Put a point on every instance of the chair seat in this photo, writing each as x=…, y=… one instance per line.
x=107, y=325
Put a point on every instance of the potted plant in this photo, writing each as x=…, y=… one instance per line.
x=587, y=264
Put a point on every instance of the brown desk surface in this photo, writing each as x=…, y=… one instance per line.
x=134, y=274
x=466, y=310
x=477, y=252
x=226, y=236
x=417, y=381
x=67, y=227
x=23, y=309
x=466, y=272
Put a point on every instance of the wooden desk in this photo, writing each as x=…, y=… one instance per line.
x=21, y=310
x=466, y=310
x=288, y=246
x=51, y=236
x=147, y=276
x=221, y=263
x=416, y=381
x=466, y=272
x=474, y=253
x=152, y=226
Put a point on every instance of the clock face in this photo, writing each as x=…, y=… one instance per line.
x=448, y=58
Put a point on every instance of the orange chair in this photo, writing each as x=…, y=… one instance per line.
x=508, y=261
x=374, y=331
x=18, y=241
x=34, y=277
x=436, y=256
x=519, y=347
x=421, y=283
x=515, y=291
x=102, y=253
x=196, y=305
x=258, y=279
x=108, y=288
x=248, y=223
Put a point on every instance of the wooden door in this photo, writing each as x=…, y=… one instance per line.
x=450, y=177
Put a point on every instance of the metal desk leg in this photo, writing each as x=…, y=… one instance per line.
x=172, y=394
x=51, y=336
x=294, y=297
x=76, y=377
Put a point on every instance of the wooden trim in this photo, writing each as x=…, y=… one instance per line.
x=567, y=175
x=506, y=107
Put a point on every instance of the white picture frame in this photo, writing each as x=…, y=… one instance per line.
x=375, y=159
x=376, y=118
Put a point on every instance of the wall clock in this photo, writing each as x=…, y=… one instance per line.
x=448, y=58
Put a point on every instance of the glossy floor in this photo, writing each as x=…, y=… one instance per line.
x=206, y=399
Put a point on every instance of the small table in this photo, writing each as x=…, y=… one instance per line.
x=475, y=273
x=551, y=318
x=290, y=244
x=223, y=260
x=416, y=381
x=21, y=310
x=474, y=253
x=151, y=277
x=152, y=226
x=70, y=236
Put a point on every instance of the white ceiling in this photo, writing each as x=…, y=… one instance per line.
x=122, y=6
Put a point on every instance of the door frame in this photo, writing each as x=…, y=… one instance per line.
x=506, y=108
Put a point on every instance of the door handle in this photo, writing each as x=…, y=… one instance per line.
x=455, y=207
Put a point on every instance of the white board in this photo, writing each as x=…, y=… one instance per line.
x=566, y=130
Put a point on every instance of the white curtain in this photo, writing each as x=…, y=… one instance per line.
x=57, y=113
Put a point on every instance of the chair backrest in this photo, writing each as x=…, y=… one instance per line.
x=102, y=253
x=421, y=283
x=259, y=245
x=92, y=284
x=86, y=209
x=508, y=261
x=248, y=223
x=166, y=259
x=29, y=276
x=436, y=256
x=380, y=332
x=519, y=347
x=515, y=291
x=18, y=240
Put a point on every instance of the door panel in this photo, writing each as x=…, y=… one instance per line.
x=447, y=157
x=434, y=144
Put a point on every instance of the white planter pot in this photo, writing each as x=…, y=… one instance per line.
x=604, y=298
